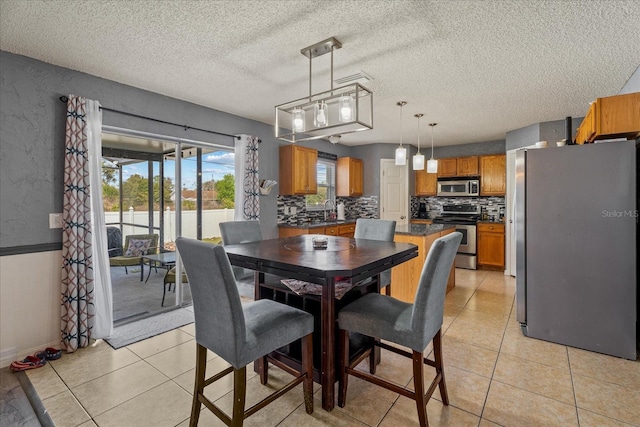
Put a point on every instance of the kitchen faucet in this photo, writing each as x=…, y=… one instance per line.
x=325, y=207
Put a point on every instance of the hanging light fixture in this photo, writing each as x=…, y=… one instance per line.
x=432, y=164
x=418, y=158
x=401, y=152
x=341, y=110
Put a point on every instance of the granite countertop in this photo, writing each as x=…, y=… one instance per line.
x=422, y=229
x=491, y=222
x=316, y=224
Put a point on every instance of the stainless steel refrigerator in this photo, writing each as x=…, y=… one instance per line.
x=577, y=245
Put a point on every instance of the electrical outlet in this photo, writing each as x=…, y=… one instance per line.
x=55, y=220
x=293, y=210
x=287, y=211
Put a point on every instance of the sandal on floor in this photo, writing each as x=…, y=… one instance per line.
x=49, y=353
x=30, y=362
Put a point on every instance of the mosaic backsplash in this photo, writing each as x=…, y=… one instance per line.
x=493, y=206
x=354, y=207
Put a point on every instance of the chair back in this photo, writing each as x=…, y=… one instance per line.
x=428, y=306
x=375, y=229
x=234, y=232
x=153, y=247
x=219, y=318
x=114, y=241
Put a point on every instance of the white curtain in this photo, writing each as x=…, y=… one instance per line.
x=103, y=300
x=247, y=200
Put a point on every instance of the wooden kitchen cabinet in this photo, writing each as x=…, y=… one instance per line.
x=493, y=175
x=346, y=230
x=447, y=167
x=467, y=166
x=611, y=117
x=426, y=183
x=350, y=177
x=491, y=245
x=421, y=221
x=332, y=230
x=298, y=170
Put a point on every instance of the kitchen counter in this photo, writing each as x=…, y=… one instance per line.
x=422, y=229
x=491, y=222
x=316, y=224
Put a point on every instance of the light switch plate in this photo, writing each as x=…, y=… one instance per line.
x=287, y=210
x=55, y=220
x=293, y=210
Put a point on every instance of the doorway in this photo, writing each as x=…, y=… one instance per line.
x=394, y=192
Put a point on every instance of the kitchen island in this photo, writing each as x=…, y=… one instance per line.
x=405, y=277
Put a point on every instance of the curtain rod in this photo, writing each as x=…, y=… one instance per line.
x=185, y=127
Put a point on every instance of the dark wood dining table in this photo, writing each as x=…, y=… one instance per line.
x=296, y=258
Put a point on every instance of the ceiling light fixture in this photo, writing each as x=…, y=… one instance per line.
x=401, y=152
x=432, y=164
x=334, y=139
x=341, y=110
x=418, y=158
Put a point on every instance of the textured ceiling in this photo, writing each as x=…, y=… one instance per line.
x=478, y=68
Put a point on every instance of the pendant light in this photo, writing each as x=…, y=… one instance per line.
x=432, y=164
x=401, y=152
x=418, y=159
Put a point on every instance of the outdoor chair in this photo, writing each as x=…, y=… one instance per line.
x=170, y=278
x=377, y=229
x=409, y=325
x=135, y=246
x=239, y=333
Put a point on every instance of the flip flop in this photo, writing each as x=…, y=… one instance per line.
x=49, y=353
x=30, y=362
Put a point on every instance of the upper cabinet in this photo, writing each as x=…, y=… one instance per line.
x=611, y=117
x=493, y=175
x=461, y=166
x=298, y=170
x=350, y=177
x=426, y=183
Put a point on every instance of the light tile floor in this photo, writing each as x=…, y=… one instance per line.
x=495, y=376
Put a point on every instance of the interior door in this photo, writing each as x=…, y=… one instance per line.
x=394, y=192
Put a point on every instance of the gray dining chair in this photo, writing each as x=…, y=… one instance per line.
x=235, y=232
x=408, y=325
x=239, y=333
x=377, y=229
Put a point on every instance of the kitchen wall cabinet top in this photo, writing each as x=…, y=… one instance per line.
x=426, y=184
x=349, y=177
x=611, y=117
x=458, y=166
x=298, y=170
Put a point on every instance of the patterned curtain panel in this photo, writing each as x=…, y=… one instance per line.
x=247, y=201
x=79, y=237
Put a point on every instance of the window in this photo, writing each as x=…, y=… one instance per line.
x=326, y=175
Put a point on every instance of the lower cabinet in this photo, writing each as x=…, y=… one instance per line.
x=491, y=240
x=344, y=230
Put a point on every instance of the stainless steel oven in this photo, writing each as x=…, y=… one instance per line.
x=464, y=217
x=465, y=187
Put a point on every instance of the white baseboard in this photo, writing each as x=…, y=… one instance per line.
x=9, y=355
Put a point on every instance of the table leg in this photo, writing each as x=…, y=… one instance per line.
x=261, y=365
x=327, y=343
x=142, y=269
x=149, y=274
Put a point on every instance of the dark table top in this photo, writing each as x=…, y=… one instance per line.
x=344, y=257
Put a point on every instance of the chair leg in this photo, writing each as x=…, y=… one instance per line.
x=201, y=367
x=418, y=386
x=343, y=354
x=125, y=270
x=239, y=394
x=263, y=370
x=437, y=354
x=374, y=357
x=164, y=291
x=387, y=290
x=307, y=367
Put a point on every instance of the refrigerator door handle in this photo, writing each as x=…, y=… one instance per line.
x=519, y=215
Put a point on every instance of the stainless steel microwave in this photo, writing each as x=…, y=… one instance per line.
x=467, y=187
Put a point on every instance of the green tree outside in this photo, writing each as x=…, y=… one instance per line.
x=226, y=190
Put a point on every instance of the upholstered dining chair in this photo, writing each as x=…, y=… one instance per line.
x=235, y=232
x=135, y=245
x=408, y=325
x=239, y=333
x=377, y=229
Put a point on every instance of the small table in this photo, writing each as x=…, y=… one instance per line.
x=165, y=259
x=295, y=257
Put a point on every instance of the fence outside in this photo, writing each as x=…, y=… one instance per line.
x=211, y=220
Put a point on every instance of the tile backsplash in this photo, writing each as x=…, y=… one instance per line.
x=354, y=207
x=491, y=205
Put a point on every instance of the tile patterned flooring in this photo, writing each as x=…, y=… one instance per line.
x=495, y=376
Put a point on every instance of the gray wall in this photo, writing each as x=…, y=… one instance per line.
x=633, y=84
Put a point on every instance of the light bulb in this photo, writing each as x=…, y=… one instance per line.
x=418, y=162
x=432, y=166
x=401, y=156
x=320, y=114
x=346, y=108
x=297, y=120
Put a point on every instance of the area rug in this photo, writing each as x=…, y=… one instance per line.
x=150, y=327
